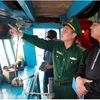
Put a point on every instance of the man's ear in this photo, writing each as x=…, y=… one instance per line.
x=74, y=35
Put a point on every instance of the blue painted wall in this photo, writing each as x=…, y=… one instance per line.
x=29, y=51
x=46, y=25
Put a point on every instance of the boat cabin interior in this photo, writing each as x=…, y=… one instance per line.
x=20, y=59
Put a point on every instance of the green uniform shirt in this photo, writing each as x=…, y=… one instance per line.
x=65, y=61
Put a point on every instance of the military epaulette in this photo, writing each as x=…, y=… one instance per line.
x=82, y=48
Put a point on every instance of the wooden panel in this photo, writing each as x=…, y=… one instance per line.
x=51, y=8
x=45, y=10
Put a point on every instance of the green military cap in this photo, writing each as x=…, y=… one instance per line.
x=94, y=18
x=74, y=23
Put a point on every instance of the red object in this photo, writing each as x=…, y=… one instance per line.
x=15, y=67
x=85, y=40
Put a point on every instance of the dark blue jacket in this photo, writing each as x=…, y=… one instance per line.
x=49, y=73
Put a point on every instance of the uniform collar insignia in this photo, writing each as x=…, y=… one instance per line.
x=73, y=58
x=59, y=52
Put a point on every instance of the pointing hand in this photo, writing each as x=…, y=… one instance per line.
x=14, y=31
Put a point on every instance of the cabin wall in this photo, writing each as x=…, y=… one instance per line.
x=29, y=50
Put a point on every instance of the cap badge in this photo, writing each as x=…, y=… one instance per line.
x=70, y=20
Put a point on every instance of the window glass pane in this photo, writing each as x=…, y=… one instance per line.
x=3, y=59
x=9, y=52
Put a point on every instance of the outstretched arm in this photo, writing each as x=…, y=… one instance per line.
x=33, y=39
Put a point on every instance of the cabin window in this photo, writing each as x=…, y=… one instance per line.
x=3, y=59
x=42, y=34
x=10, y=50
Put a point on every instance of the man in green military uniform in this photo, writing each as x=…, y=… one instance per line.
x=67, y=56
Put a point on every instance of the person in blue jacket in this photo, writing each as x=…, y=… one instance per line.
x=48, y=69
